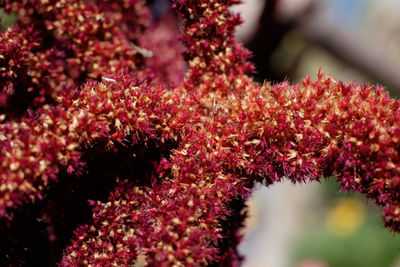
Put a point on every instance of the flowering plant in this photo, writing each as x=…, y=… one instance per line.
x=96, y=99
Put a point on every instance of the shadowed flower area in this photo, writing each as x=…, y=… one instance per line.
x=144, y=153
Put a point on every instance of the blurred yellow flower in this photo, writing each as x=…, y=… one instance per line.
x=345, y=217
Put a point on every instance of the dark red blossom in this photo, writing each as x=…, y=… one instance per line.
x=222, y=131
x=59, y=43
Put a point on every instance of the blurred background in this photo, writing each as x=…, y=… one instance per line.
x=315, y=225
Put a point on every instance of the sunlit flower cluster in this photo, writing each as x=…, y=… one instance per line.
x=217, y=132
x=59, y=43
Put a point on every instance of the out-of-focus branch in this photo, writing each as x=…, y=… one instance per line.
x=366, y=54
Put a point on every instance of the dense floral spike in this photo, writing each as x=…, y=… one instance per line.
x=65, y=42
x=213, y=54
x=113, y=238
x=299, y=132
x=318, y=129
x=34, y=149
x=179, y=219
x=229, y=132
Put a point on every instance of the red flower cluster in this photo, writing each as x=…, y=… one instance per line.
x=59, y=43
x=217, y=132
